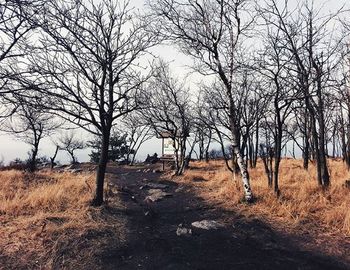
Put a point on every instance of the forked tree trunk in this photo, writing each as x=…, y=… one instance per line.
x=322, y=159
x=241, y=164
x=71, y=153
x=52, y=159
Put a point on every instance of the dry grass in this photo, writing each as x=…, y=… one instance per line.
x=46, y=222
x=303, y=206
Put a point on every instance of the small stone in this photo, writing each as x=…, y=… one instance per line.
x=207, y=224
x=156, y=195
x=182, y=231
x=154, y=185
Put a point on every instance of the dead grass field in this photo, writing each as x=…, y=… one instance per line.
x=303, y=207
x=46, y=222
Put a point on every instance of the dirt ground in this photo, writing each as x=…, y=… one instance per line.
x=152, y=242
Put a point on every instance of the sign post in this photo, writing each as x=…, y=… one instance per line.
x=168, y=150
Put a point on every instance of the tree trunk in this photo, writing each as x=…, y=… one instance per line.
x=207, y=146
x=256, y=144
x=52, y=159
x=101, y=171
x=32, y=162
x=73, y=157
x=306, y=154
x=265, y=157
x=277, y=157
x=347, y=150
x=322, y=160
x=240, y=162
x=325, y=181
x=250, y=151
x=183, y=155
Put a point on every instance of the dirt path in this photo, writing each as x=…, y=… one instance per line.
x=153, y=242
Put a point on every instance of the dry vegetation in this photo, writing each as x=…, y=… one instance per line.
x=303, y=207
x=46, y=222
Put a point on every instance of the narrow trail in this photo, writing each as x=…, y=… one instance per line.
x=153, y=242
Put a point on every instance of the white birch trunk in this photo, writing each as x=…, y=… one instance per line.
x=245, y=176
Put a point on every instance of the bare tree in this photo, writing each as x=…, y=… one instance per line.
x=167, y=110
x=86, y=68
x=275, y=70
x=30, y=124
x=203, y=127
x=211, y=31
x=138, y=132
x=314, y=53
x=14, y=30
x=70, y=143
x=14, y=27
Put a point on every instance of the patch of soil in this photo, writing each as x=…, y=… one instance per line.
x=153, y=242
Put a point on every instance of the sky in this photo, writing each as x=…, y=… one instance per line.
x=10, y=148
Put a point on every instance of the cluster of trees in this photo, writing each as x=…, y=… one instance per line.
x=289, y=87
x=275, y=74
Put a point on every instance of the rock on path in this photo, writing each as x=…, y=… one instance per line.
x=155, y=195
x=207, y=224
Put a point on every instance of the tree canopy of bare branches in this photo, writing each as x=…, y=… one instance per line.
x=210, y=32
x=86, y=67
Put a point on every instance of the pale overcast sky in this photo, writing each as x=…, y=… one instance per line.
x=11, y=148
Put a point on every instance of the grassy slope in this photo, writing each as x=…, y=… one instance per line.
x=46, y=222
x=302, y=209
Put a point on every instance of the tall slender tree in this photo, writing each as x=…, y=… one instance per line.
x=86, y=67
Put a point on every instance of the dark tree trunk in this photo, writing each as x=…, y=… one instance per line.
x=201, y=145
x=347, y=147
x=34, y=154
x=101, y=171
x=322, y=159
x=207, y=146
x=256, y=144
x=306, y=153
x=250, y=151
x=74, y=161
x=52, y=159
x=277, y=157
x=266, y=158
